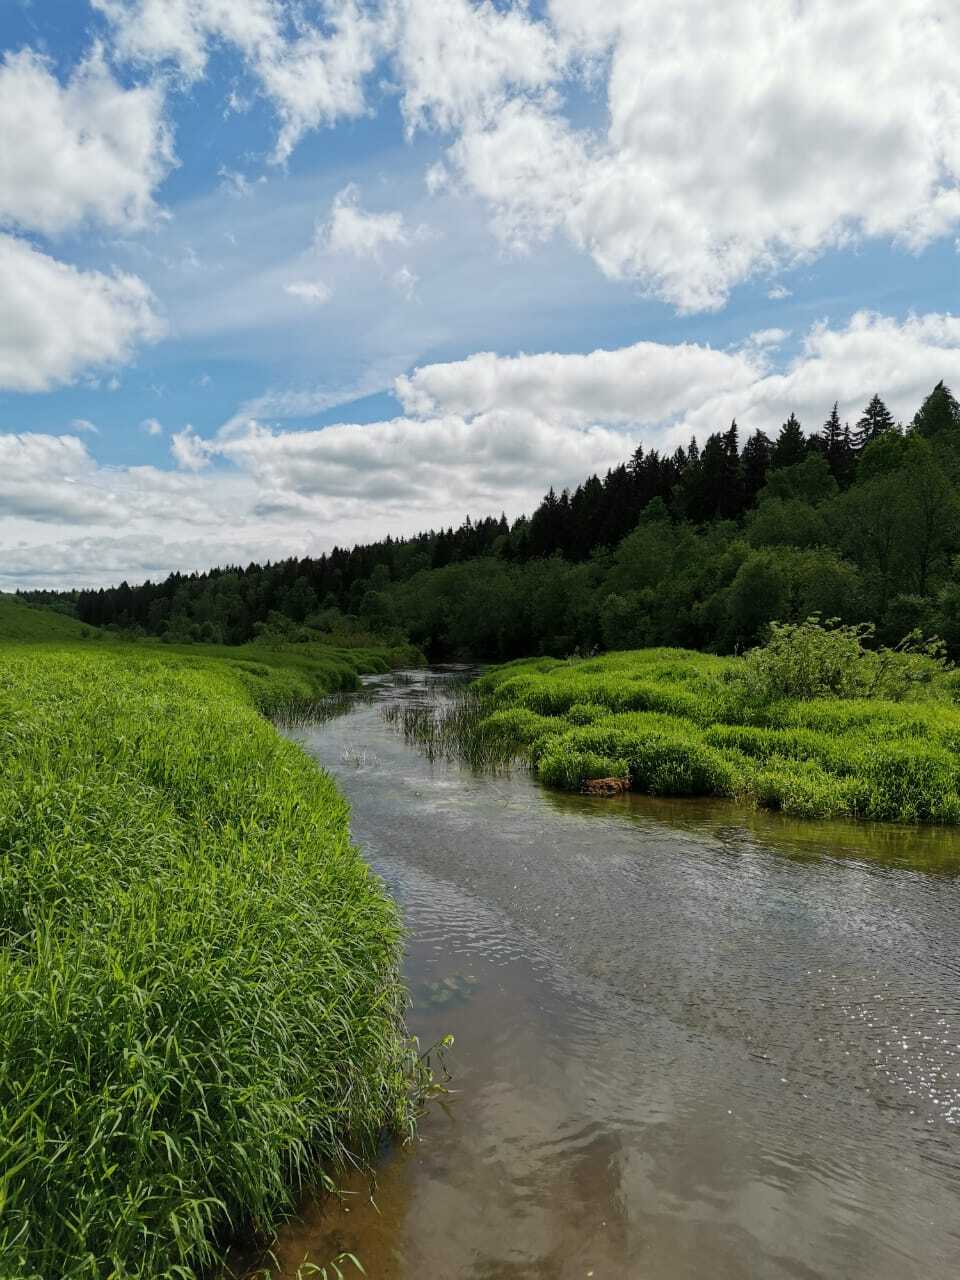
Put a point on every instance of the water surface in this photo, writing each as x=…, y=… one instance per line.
x=690, y=1041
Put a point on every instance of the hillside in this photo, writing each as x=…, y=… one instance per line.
x=24, y=623
x=701, y=549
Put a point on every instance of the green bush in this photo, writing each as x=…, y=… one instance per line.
x=805, y=660
x=787, y=727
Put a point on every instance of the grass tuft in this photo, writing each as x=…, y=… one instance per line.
x=688, y=724
x=200, y=1010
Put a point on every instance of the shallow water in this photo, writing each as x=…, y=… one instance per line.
x=690, y=1041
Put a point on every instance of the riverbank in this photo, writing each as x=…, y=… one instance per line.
x=201, y=1015
x=692, y=1038
x=674, y=722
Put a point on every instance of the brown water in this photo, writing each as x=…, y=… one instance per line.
x=690, y=1041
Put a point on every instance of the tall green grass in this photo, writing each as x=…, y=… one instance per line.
x=683, y=723
x=200, y=1009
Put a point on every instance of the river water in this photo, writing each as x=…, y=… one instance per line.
x=691, y=1041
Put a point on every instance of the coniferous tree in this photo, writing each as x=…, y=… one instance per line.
x=791, y=445
x=846, y=468
x=876, y=419
x=835, y=442
x=731, y=494
x=939, y=413
x=757, y=454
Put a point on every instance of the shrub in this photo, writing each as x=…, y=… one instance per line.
x=810, y=659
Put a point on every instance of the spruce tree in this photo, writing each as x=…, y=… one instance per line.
x=791, y=446
x=757, y=453
x=876, y=419
x=939, y=413
x=730, y=495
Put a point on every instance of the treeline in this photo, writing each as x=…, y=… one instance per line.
x=700, y=548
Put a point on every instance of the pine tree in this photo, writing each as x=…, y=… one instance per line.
x=939, y=413
x=791, y=446
x=876, y=419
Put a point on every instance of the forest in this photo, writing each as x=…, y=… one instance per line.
x=702, y=549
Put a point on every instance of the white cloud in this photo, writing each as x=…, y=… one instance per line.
x=739, y=137
x=458, y=62
x=312, y=77
x=769, y=338
x=350, y=230
x=423, y=466
x=46, y=477
x=405, y=281
x=669, y=391
x=84, y=425
x=56, y=321
x=87, y=150
x=648, y=382
x=190, y=451
x=480, y=435
x=779, y=293
x=319, y=77
x=151, y=427
x=181, y=31
x=312, y=291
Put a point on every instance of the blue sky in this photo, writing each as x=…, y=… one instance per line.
x=563, y=228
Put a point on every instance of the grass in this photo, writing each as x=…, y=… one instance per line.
x=679, y=723
x=200, y=1009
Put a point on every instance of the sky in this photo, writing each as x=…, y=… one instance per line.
x=278, y=275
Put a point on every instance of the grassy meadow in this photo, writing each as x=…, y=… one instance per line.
x=200, y=1009
x=680, y=723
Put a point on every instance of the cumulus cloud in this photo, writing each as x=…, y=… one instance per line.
x=151, y=427
x=84, y=425
x=313, y=73
x=181, y=31
x=312, y=291
x=669, y=391
x=459, y=62
x=738, y=138
x=189, y=450
x=56, y=320
x=769, y=337
x=45, y=477
x=87, y=150
x=647, y=382
x=477, y=436
x=349, y=229
x=496, y=458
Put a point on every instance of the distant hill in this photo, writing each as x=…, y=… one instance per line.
x=21, y=622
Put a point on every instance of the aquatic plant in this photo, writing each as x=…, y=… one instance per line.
x=685, y=723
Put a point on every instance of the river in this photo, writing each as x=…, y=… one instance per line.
x=691, y=1041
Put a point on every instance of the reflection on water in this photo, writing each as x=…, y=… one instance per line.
x=679, y=1053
